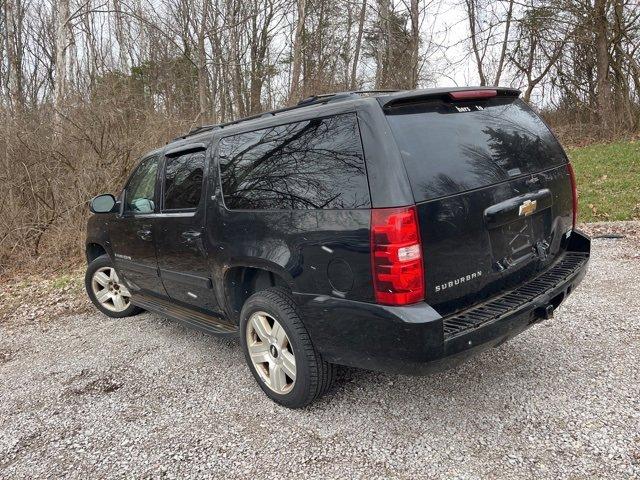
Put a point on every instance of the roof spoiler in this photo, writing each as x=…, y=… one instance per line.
x=446, y=94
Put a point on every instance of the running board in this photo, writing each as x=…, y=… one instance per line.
x=192, y=318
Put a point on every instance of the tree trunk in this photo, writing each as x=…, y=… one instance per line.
x=384, y=44
x=505, y=41
x=123, y=63
x=622, y=86
x=603, y=83
x=259, y=47
x=414, y=43
x=356, y=55
x=13, y=43
x=472, y=18
x=236, y=67
x=63, y=42
x=294, y=92
x=202, y=63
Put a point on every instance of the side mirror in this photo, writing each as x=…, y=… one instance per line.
x=105, y=203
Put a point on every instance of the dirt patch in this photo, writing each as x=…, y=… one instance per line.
x=630, y=230
x=37, y=299
x=89, y=382
x=6, y=355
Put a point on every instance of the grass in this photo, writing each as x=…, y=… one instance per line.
x=65, y=280
x=62, y=282
x=608, y=177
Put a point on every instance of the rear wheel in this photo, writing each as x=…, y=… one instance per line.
x=279, y=351
x=106, y=290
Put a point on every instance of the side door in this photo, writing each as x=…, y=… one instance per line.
x=182, y=255
x=132, y=231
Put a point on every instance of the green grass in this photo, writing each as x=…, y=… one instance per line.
x=62, y=281
x=608, y=177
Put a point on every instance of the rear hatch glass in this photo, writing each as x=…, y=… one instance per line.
x=450, y=147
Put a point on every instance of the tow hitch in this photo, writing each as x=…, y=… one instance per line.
x=545, y=313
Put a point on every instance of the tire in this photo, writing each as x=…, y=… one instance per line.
x=116, y=302
x=313, y=376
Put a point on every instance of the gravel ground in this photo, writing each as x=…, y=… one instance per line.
x=87, y=396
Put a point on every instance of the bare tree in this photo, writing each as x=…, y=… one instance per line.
x=476, y=45
x=602, y=61
x=356, y=55
x=64, y=41
x=505, y=41
x=414, y=16
x=298, y=46
x=13, y=19
x=541, y=39
x=485, y=24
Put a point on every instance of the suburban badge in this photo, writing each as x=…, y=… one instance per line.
x=458, y=281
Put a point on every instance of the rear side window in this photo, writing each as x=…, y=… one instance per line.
x=315, y=164
x=449, y=148
x=183, y=181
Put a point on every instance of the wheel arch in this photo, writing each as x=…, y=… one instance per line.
x=242, y=281
x=94, y=250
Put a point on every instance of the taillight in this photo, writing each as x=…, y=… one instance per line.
x=574, y=192
x=396, y=256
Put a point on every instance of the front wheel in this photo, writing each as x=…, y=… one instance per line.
x=106, y=291
x=279, y=351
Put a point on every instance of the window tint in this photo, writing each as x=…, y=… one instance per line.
x=183, y=181
x=141, y=188
x=448, y=148
x=308, y=165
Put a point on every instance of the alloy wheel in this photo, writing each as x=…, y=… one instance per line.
x=271, y=352
x=109, y=291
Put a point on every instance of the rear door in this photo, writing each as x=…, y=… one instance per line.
x=492, y=189
x=132, y=232
x=182, y=256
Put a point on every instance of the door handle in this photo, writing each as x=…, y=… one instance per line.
x=145, y=233
x=191, y=235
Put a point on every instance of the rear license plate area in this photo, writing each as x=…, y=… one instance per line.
x=513, y=243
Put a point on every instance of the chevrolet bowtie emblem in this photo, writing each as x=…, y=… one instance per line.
x=527, y=208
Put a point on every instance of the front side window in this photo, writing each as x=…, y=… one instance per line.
x=315, y=164
x=140, y=191
x=183, y=181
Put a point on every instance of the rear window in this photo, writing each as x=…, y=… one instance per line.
x=315, y=164
x=448, y=148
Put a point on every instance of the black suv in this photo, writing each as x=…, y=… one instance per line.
x=393, y=231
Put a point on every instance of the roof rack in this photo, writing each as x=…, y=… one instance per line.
x=305, y=102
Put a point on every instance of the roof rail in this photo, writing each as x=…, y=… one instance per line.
x=338, y=96
x=362, y=92
x=202, y=128
x=305, y=102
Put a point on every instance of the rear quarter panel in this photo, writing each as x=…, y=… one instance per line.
x=324, y=252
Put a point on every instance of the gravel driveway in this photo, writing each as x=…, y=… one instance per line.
x=87, y=396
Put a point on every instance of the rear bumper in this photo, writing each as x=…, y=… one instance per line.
x=416, y=340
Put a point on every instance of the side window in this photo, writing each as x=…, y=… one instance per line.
x=140, y=190
x=315, y=164
x=183, y=181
